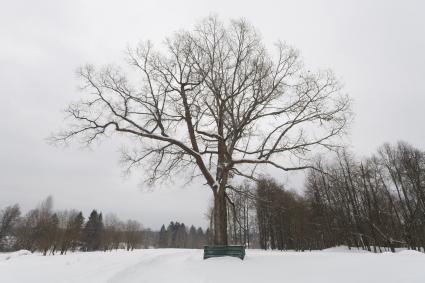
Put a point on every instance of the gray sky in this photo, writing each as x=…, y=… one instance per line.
x=375, y=47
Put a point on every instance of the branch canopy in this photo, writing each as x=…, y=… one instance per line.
x=212, y=101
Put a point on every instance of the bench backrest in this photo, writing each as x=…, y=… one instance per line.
x=216, y=251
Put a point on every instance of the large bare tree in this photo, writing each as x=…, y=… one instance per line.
x=213, y=102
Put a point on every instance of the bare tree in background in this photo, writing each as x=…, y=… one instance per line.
x=133, y=234
x=8, y=218
x=113, y=232
x=215, y=103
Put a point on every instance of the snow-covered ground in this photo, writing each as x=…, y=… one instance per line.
x=336, y=265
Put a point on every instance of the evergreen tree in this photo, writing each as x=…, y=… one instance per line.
x=180, y=236
x=171, y=234
x=162, y=237
x=192, y=239
x=75, y=230
x=92, y=234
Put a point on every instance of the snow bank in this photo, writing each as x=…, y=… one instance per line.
x=7, y=256
x=344, y=249
x=179, y=265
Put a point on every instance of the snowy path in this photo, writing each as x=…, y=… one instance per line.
x=174, y=265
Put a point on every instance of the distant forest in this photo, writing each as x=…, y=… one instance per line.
x=376, y=203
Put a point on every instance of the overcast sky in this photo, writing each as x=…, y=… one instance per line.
x=375, y=47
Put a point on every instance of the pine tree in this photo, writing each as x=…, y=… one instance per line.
x=181, y=236
x=171, y=234
x=162, y=241
x=192, y=239
x=92, y=234
x=75, y=230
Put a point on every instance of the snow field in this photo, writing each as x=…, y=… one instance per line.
x=336, y=265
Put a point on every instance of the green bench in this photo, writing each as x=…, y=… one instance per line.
x=216, y=251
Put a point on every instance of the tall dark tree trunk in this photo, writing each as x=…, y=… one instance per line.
x=220, y=218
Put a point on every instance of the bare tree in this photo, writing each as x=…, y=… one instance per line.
x=113, y=232
x=213, y=102
x=46, y=228
x=241, y=216
x=132, y=234
x=370, y=204
x=8, y=218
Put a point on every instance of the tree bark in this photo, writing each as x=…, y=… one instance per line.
x=220, y=218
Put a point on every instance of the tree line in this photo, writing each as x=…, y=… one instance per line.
x=177, y=235
x=374, y=203
x=50, y=232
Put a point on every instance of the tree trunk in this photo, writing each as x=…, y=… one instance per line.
x=220, y=218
